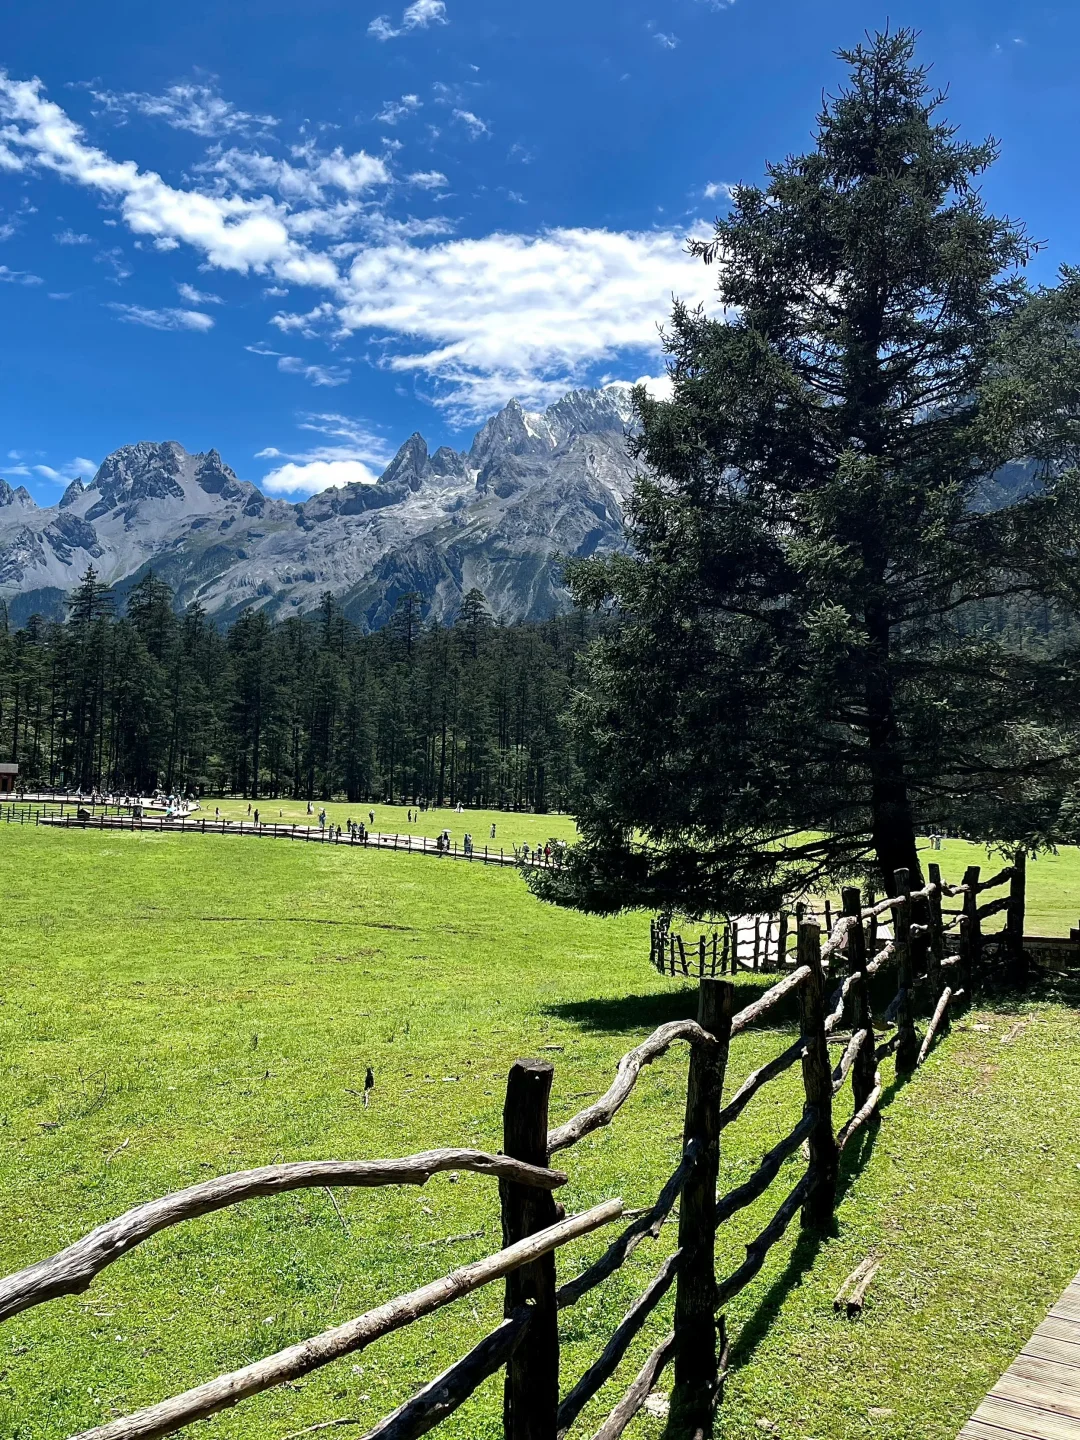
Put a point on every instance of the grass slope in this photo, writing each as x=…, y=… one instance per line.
x=173, y=1007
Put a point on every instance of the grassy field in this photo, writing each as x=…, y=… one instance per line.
x=172, y=1007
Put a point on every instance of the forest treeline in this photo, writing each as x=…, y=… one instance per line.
x=307, y=707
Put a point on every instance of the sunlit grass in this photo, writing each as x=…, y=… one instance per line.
x=173, y=1007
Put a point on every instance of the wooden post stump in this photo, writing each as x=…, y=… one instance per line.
x=974, y=927
x=863, y=1074
x=696, y=1373
x=907, y=1044
x=1014, y=922
x=531, y=1390
x=817, y=1083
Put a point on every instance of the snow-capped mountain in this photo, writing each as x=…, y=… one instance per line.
x=531, y=486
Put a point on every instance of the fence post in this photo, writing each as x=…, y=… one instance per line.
x=696, y=1375
x=937, y=925
x=863, y=1071
x=781, y=941
x=1014, y=921
x=907, y=1045
x=531, y=1390
x=974, y=926
x=817, y=1082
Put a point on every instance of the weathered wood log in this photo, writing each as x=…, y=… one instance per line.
x=937, y=928
x=756, y=1079
x=940, y=1012
x=886, y=1047
x=862, y=1018
x=72, y=1269
x=884, y=956
x=857, y=1045
x=624, y=1245
x=746, y=1193
x=857, y=1298
x=171, y=1415
x=817, y=1083
x=602, y=1369
x=443, y=1395
x=751, y=1014
x=993, y=882
x=861, y=1116
x=760, y=1246
x=638, y=1392
x=695, y=1325
x=852, y=1293
x=837, y=1003
x=531, y=1390
x=907, y=1047
x=604, y=1110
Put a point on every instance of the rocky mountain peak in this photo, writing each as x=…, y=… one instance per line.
x=19, y=496
x=72, y=493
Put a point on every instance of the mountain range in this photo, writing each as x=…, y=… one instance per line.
x=531, y=486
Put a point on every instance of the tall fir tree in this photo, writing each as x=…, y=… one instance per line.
x=801, y=675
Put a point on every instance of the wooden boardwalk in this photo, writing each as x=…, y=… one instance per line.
x=1038, y=1397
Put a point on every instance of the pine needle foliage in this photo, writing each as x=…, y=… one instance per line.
x=867, y=452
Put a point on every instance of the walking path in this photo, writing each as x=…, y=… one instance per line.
x=1038, y=1397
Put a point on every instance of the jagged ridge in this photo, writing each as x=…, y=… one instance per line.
x=530, y=486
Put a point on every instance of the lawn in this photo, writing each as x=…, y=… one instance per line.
x=172, y=1007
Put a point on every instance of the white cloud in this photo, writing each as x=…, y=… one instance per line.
x=475, y=126
x=197, y=297
x=78, y=469
x=232, y=232
x=314, y=374
x=428, y=179
x=19, y=277
x=70, y=237
x=293, y=365
x=717, y=188
x=393, y=110
x=168, y=319
x=198, y=108
x=417, y=16
x=666, y=42
x=356, y=456
x=520, y=315
x=308, y=179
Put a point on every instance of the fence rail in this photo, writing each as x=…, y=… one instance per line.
x=534, y=1229
x=328, y=835
x=764, y=942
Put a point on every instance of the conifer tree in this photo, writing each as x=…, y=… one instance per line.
x=872, y=446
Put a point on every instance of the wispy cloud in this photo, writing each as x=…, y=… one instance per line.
x=78, y=469
x=393, y=110
x=71, y=237
x=168, y=319
x=428, y=179
x=719, y=189
x=475, y=126
x=666, y=41
x=197, y=108
x=307, y=176
x=18, y=277
x=197, y=297
x=355, y=455
x=320, y=375
x=417, y=16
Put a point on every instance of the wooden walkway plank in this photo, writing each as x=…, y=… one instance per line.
x=1038, y=1397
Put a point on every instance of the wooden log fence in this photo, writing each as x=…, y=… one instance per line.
x=526, y=1345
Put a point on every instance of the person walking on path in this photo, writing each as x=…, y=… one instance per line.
x=493, y=830
x=255, y=817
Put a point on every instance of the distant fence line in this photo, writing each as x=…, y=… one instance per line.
x=330, y=835
x=527, y=1344
x=763, y=942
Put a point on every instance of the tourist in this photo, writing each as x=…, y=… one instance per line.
x=256, y=816
x=493, y=830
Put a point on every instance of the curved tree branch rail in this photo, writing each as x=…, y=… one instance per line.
x=72, y=1269
x=531, y=1224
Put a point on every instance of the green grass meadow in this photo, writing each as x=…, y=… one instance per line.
x=175, y=1006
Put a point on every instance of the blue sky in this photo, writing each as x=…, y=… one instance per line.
x=297, y=231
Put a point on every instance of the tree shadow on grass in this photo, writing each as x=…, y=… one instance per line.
x=614, y=1013
x=853, y=1162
